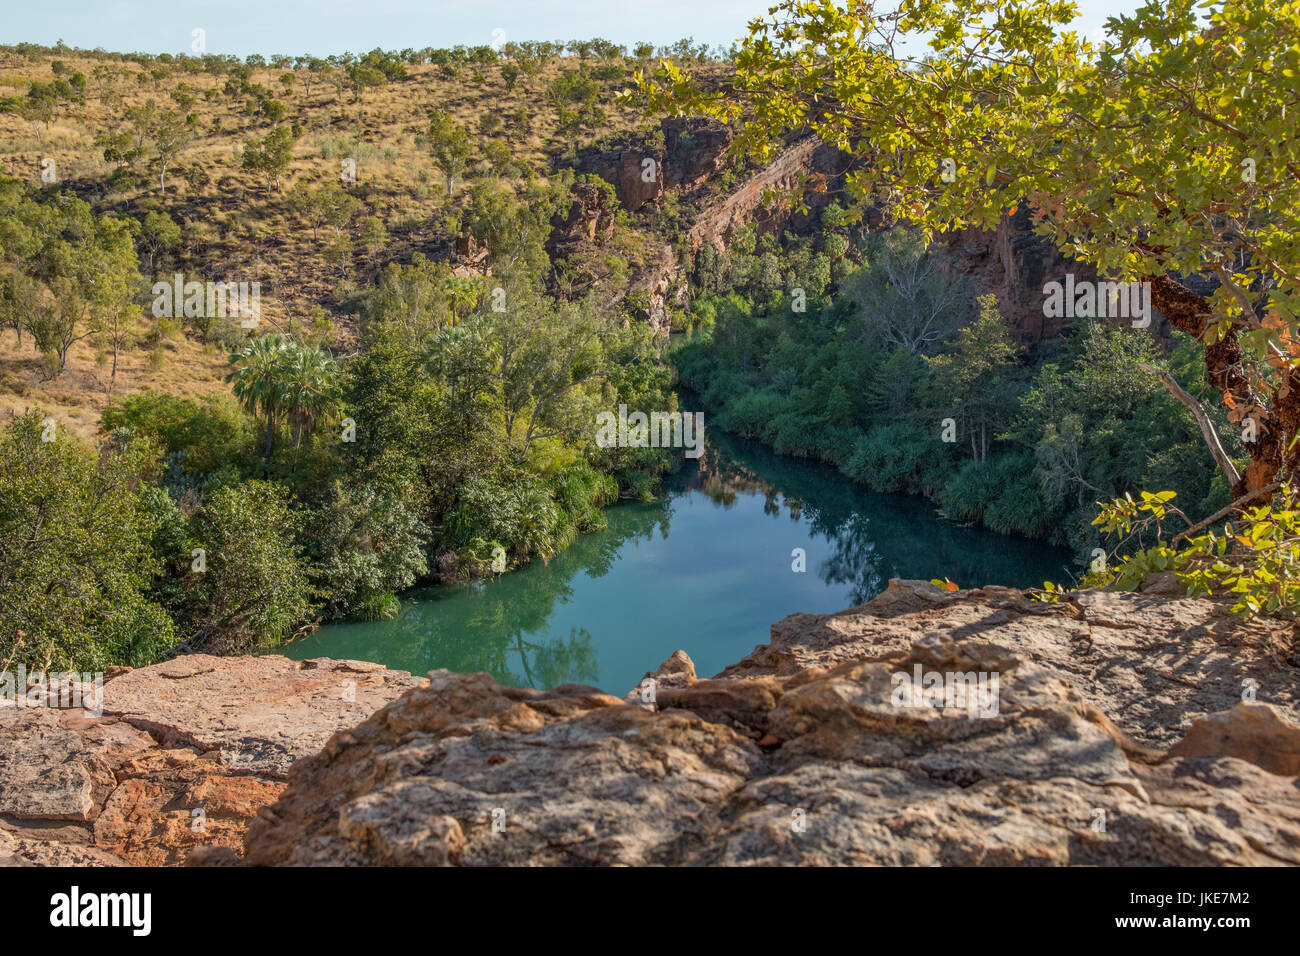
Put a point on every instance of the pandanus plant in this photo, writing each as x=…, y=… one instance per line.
x=273, y=376
x=311, y=387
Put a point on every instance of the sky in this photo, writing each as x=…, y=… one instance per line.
x=324, y=27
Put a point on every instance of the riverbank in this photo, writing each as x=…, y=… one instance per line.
x=738, y=539
x=1027, y=447
x=1120, y=738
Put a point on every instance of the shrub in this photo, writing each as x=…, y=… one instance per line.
x=891, y=458
x=753, y=412
x=211, y=431
x=366, y=542
x=254, y=591
x=519, y=516
x=581, y=492
x=76, y=554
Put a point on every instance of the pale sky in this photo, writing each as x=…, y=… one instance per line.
x=324, y=27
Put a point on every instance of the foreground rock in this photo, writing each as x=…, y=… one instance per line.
x=184, y=755
x=804, y=752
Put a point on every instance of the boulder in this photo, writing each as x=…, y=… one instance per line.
x=260, y=714
x=1253, y=732
x=926, y=727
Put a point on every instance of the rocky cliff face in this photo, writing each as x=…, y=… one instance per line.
x=694, y=150
x=1011, y=262
x=1119, y=737
x=1116, y=733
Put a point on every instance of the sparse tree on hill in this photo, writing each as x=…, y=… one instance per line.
x=449, y=142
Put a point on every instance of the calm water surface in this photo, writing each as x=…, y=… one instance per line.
x=706, y=569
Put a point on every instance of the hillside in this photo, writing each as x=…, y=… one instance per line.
x=524, y=118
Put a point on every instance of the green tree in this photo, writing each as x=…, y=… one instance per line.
x=362, y=78
x=374, y=235
x=172, y=133
x=20, y=301
x=1166, y=151
x=255, y=590
x=549, y=352
x=903, y=296
x=366, y=544
x=271, y=156
x=258, y=383
x=92, y=271
x=974, y=377
x=327, y=205
x=158, y=232
x=450, y=145
x=310, y=382
x=75, y=555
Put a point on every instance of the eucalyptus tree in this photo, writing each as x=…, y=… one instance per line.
x=450, y=145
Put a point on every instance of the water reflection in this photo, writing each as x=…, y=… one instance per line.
x=706, y=568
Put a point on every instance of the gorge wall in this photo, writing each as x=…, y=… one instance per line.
x=1011, y=261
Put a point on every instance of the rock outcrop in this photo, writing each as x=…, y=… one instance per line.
x=747, y=204
x=184, y=755
x=804, y=752
x=693, y=151
x=1105, y=729
x=589, y=218
x=1012, y=262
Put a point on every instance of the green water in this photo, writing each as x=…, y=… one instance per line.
x=708, y=569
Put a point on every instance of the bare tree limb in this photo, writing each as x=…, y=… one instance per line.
x=1203, y=420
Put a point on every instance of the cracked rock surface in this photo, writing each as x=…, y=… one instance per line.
x=184, y=755
x=1121, y=730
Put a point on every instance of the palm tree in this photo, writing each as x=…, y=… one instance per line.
x=462, y=295
x=258, y=379
x=310, y=382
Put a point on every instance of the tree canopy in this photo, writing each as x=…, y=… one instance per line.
x=1165, y=152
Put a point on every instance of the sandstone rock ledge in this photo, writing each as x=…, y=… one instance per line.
x=1120, y=737
x=184, y=755
x=798, y=754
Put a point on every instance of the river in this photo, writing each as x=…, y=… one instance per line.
x=707, y=568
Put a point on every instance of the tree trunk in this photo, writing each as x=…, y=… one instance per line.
x=1277, y=414
x=270, y=434
x=1202, y=420
x=112, y=379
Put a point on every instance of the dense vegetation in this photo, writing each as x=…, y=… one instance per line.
x=1165, y=154
x=458, y=437
x=864, y=380
x=417, y=396
x=175, y=479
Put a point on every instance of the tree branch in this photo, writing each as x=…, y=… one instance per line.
x=1203, y=420
x=1225, y=511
